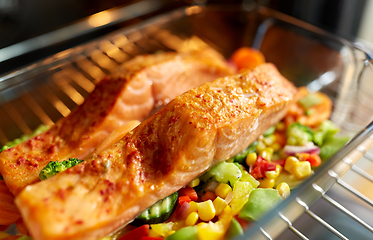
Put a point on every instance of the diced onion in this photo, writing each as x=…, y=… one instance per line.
x=183, y=210
x=211, y=186
x=308, y=148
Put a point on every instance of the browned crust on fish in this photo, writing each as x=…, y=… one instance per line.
x=130, y=94
x=193, y=132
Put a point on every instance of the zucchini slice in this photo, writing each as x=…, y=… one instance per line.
x=159, y=212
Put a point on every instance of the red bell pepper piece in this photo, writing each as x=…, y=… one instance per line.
x=280, y=162
x=190, y=192
x=314, y=160
x=183, y=199
x=261, y=166
x=137, y=233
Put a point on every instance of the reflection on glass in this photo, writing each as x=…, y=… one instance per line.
x=100, y=19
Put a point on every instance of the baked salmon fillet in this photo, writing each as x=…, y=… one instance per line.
x=195, y=131
x=130, y=94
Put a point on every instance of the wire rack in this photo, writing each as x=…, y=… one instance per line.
x=47, y=97
x=49, y=90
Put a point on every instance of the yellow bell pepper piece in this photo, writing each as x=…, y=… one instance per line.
x=241, y=192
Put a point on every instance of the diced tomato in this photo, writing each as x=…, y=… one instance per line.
x=190, y=192
x=247, y=58
x=137, y=233
x=280, y=162
x=261, y=166
x=183, y=199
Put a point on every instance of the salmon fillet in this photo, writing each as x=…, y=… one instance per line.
x=185, y=138
x=129, y=94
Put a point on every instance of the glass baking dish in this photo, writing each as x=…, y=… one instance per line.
x=47, y=90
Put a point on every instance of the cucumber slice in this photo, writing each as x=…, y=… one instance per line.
x=159, y=212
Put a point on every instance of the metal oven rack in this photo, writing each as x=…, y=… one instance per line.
x=48, y=90
x=45, y=98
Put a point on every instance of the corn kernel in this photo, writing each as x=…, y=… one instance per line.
x=194, y=183
x=276, y=146
x=260, y=146
x=269, y=140
x=267, y=183
x=201, y=224
x=219, y=205
x=193, y=208
x=226, y=214
x=290, y=164
x=207, y=231
x=251, y=158
x=283, y=189
x=266, y=153
x=302, y=169
x=222, y=190
x=206, y=210
x=273, y=174
x=191, y=219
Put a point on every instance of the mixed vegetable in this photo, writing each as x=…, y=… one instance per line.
x=222, y=202
x=54, y=167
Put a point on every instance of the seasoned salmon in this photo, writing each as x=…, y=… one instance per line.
x=130, y=94
x=165, y=152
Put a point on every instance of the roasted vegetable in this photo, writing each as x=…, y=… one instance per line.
x=53, y=167
x=241, y=157
x=325, y=130
x=224, y=172
x=298, y=134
